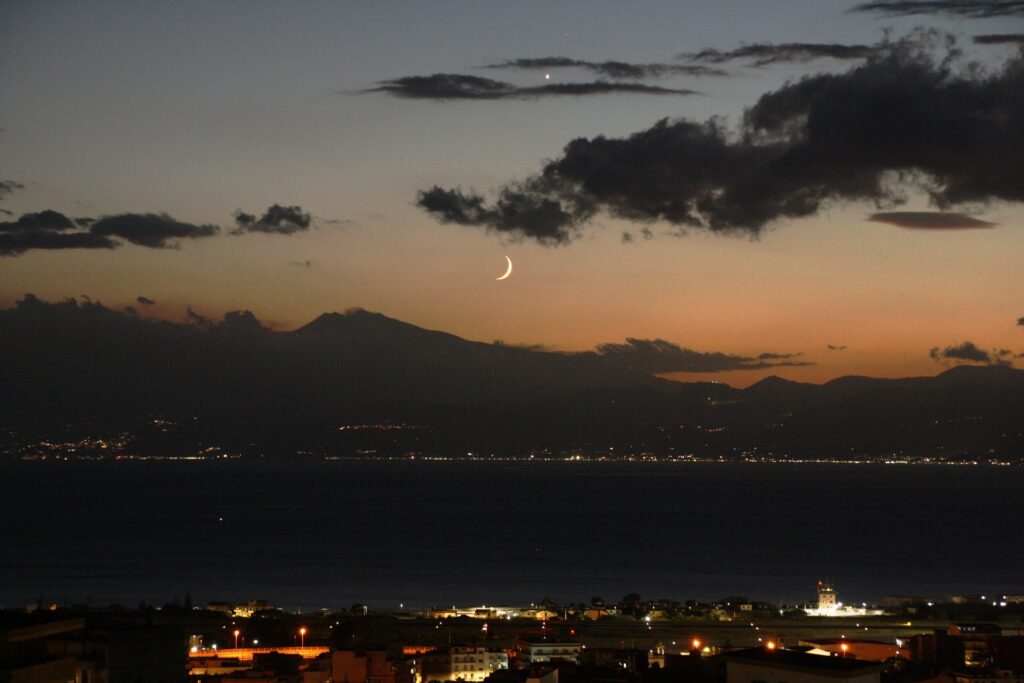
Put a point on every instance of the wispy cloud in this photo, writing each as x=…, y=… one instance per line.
x=1000, y=39
x=762, y=54
x=9, y=186
x=660, y=356
x=972, y=9
x=466, y=87
x=930, y=220
x=608, y=69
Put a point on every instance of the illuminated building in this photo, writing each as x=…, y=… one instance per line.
x=372, y=666
x=461, y=663
x=826, y=596
x=541, y=651
x=828, y=605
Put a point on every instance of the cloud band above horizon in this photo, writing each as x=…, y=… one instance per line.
x=950, y=133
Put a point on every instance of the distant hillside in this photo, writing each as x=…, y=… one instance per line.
x=236, y=382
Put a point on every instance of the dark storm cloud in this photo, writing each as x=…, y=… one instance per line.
x=14, y=244
x=608, y=69
x=47, y=230
x=445, y=86
x=903, y=120
x=930, y=220
x=1000, y=39
x=153, y=230
x=9, y=186
x=464, y=87
x=600, y=88
x=41, y=221
x=972, y=9
x=762, y=54
x=519, y=213
x=145, y=301
x=53, y=230
x=659, y=356
x=278, y=220
x=969, y=352
x=836, y=347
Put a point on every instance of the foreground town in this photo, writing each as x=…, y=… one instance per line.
x=957, y=639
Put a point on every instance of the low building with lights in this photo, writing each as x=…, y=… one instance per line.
x=543, y=651
x=370, y=666
x=459, y=664
x=616, y=658
x=965, y=646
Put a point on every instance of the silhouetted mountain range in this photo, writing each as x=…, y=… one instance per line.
x=360, y=381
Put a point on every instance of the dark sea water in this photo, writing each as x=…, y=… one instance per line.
x=329, y=534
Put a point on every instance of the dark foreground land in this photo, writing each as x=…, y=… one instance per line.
x=395, y=631
x=179, y=642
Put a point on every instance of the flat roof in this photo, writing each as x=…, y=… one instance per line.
x=15, y=627
x=851, y=641
x=801, y=661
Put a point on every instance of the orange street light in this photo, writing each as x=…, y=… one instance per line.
x=771, y=645
x=695, y=644
x=236, y=634
x=845, y=647
x=302, y=635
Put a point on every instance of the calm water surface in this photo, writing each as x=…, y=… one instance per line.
x=328, y=534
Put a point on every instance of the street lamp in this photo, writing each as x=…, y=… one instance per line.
x=302, y=635
x=845, y=647
x=236, y=634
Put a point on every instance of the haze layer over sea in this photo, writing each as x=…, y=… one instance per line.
x=312, y=534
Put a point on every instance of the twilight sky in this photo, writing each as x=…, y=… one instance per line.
x=212, y=113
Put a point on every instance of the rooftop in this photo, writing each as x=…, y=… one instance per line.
x=801, y=661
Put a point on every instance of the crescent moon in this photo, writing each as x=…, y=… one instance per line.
x=507, y=272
